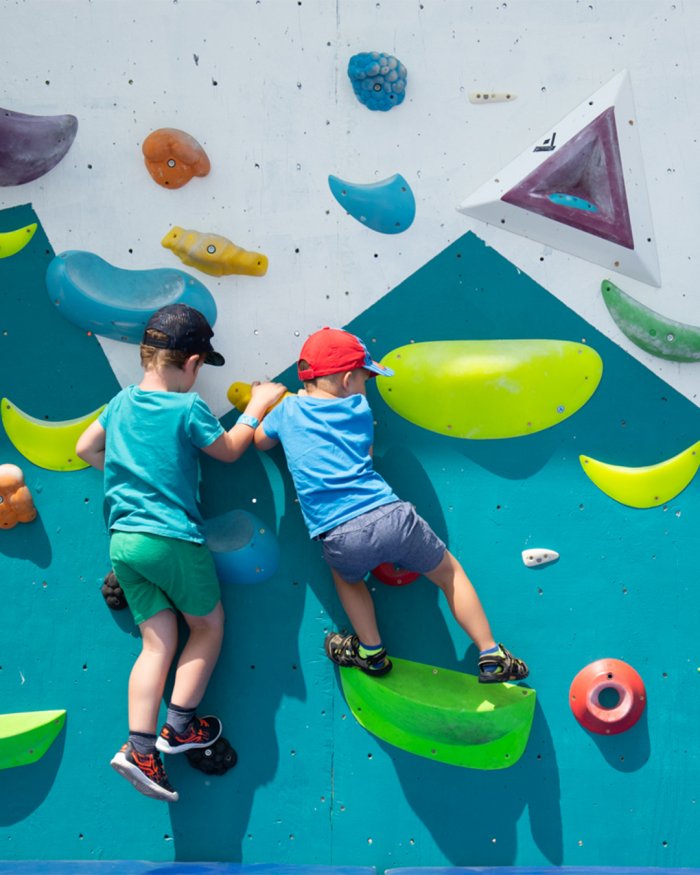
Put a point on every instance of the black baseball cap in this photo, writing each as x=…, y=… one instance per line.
x=185, y=329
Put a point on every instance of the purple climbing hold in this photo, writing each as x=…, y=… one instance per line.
x=378, y=80
x=31, y=145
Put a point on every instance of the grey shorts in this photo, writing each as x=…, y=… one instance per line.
x=390, y=533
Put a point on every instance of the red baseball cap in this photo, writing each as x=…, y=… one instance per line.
x=333, y=351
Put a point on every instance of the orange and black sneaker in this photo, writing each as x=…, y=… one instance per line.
x=202, y=732
x=145, y=772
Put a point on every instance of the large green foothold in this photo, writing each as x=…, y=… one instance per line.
x=25, y=737
x=652, y=332
x=444, y=715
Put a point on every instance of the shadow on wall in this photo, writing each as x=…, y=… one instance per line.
x=27, y=540
x=28, y=786
x=489, y=804
x=257, y=669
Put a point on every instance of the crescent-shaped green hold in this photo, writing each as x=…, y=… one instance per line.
x=647, y=486
x=481, y=389
x=651, y=331
x=443, y=715
x=25, y=737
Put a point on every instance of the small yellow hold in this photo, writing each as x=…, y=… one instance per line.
x=239, y=394
x=213, y=254
x=12, y=242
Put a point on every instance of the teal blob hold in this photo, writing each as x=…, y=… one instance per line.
x=244, y=548
x=570, y=200
x=115, y=302
x=387, y=206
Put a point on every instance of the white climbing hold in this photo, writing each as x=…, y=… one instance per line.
x=539, y=556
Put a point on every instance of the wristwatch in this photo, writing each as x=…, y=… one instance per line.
x=245, y=419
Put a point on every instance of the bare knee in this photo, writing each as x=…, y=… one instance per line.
x=445, y=572
x=210, y=624
x=159, y=634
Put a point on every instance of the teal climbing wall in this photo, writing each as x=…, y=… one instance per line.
x=311, y=785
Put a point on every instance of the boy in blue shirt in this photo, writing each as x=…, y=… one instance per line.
x=147, y=440
x=326, y=433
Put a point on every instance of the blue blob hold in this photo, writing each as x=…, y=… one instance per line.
x=570, y=200
x=244, y=548
x=387, y=206
x=378, y=80
x=115, y=302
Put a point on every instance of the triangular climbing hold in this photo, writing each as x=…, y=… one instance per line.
x=581, y=188
x=582, y=184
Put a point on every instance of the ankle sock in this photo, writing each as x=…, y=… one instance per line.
x=143, y=742
x=179, y=718
x=364, y=650
x=495, y=649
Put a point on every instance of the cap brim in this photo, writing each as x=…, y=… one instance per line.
x=379, y=369
x=214, y=358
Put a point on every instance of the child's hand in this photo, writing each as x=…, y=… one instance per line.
x=265, y=395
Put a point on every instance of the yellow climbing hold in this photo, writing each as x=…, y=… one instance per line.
x=239, y=394
x=46, y=444
x=648, y=486
x=12, y=242
x=481, y=389
x=213, y=254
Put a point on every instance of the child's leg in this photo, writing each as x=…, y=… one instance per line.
x=463, y=600
x=364, y=649
x=496, y=664
x=359, y=606
x=198, y=659
x=183, y=730
x=150, y=671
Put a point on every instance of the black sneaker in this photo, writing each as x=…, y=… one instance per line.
x=202, y=732
x=343, y=650
x=145, y=772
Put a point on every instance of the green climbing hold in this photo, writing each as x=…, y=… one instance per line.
x=444, y=715
x=25, y=737
x=654, y=333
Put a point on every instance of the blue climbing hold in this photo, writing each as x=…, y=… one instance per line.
x=570, y=200
x=115, y=302
x=244, y=548
x=387, y=206
x=378, y=80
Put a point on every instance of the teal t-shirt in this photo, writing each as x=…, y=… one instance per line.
x=151, y=469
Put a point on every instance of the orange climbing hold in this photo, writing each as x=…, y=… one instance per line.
x=173, y=157
x=626, y=688
x=16, y=503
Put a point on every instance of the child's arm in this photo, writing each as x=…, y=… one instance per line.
x=234, y=442
x=91, y=445
x=262, y=441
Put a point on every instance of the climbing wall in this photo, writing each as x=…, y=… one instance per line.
x=379, y=248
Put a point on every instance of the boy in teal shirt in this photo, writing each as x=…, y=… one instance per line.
x=147, y=440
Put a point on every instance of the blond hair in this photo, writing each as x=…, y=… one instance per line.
x=154, y=356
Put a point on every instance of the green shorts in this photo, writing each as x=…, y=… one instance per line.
x=158, y=573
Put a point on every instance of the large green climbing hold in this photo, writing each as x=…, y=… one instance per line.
x=25, y=737
x=443, y=715
x=654, y=333
x=481, y=389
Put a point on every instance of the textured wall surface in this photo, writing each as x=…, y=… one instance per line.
x=262, y=86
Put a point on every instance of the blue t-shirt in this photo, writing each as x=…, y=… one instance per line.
x=327, y=443
x=152, y=461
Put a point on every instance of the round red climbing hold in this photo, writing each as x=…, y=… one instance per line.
x=623, y=682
